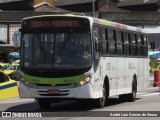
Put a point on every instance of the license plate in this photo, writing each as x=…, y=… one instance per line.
x=53, y=91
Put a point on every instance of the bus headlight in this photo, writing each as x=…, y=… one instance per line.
x=25, y=82
x=87, y=79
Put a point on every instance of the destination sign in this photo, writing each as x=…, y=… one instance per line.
x=61, y=24
x=55, y=23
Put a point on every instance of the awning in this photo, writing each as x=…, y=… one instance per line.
x=154, y=53
x=6, y=47
x=14, y=55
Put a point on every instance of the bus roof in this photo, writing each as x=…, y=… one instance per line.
x=95, y=20
x=118, y=25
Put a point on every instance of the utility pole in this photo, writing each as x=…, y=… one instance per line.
x=93, y=8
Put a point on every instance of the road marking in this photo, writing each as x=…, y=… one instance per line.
x=16, y=100
x=141, y=93
x=151, y=94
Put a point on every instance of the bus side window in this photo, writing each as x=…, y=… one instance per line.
x=130, y=43
x=145, y=46
x=120, y=47
x=105, y=41
x=112, y=42
x=96, y=31
x=133, y=45
x=136, y=43
x=96, y=35
x=142, y=44
x=126, y=44
x=122, y=39
x=139, y=46
x=152, y=44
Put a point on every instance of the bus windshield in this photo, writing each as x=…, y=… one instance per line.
x=70, y=50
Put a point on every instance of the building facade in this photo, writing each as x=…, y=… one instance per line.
x=131, y=12
x=140, y=5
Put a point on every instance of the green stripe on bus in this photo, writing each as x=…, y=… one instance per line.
x=54, y=81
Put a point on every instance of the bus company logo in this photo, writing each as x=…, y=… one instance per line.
x=53, y=84
x=68, y=81
x=132, y=66
x=36, y=80
x=108, y=66
x=6, y=114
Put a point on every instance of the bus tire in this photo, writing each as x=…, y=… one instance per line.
x=123, y=98
x=84, y=103
x=101, y=102
x=132, y=96
x=43, y=103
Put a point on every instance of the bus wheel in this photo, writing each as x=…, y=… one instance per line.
x=43, y=103
x=123, y=98
x=132, y=96
x=101, y=102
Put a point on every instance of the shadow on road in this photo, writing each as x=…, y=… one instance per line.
x=60, y=107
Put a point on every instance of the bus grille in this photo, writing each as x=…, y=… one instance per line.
x=61, y=93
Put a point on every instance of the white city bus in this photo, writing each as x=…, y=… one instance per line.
x=78, y=57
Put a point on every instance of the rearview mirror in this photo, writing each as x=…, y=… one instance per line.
x=95, y=43
x=98, y=44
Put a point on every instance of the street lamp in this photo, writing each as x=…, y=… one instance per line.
x=93, y=8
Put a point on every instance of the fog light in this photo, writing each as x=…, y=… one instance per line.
x=25, y=82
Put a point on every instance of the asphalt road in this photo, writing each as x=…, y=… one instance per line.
x=147, y=102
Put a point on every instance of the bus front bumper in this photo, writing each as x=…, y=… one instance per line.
x=82, y=92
